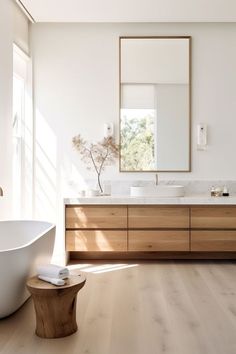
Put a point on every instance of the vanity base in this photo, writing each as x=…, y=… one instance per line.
x=141, y=232
x=150, y=255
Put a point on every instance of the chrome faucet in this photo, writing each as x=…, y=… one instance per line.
x=156, y=182
x=1, y=192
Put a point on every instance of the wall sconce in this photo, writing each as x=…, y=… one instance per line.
x=108, y=130
x=1, y=192
x=201, y=137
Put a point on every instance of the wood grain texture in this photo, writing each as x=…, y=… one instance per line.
x=158, y=217
x=147, y=240
x=93, y=229
x=55, y=307
x=160, y=307
x=213, y=241
x=96, y=240
x=96, y=217
x=213, y=217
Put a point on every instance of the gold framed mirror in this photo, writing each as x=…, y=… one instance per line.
x=155, y=104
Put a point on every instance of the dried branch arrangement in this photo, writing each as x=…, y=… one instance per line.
x=97, y=155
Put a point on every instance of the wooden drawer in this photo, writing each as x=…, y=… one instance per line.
x=96, y=217
x=213, y=217
x=213, y=241
x=164, y=240
x=96, y=240
x=158, y=217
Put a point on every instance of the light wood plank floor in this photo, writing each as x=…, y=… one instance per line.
x=141, y=308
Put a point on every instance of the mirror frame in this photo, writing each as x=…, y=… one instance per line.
x=189, y=38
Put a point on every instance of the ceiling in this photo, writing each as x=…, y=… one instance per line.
x=131, y=10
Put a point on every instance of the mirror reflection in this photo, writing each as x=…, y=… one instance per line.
x=155, y=104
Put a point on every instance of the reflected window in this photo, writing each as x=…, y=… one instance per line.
x=138, y=127
x=138, y=139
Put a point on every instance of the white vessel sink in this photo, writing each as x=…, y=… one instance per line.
x=157, y=191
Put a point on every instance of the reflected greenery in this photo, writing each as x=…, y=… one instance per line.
x=137, y=142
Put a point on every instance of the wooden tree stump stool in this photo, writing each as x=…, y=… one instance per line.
x=55, y=306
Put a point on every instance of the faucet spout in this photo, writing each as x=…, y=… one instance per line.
x=156, y=177
x=1, y=192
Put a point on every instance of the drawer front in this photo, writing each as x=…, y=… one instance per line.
x=96, y=217
x=213, y=217
x=158, y=217
x=166, y=240
x=213, y=241
x=96, y=240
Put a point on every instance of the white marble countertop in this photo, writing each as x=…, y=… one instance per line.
x=127, y=200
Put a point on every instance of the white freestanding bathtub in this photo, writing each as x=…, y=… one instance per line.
x=23, y=245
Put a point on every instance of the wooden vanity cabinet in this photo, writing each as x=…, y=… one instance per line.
x=96, y=240
x=213, y=229
x=158, y=240
x=150, y=231
x=126, y=228
x=213, y=217
x=96, y=217
x=158, y=217
x=96, y=228
x=158, y=228
x=213, y=241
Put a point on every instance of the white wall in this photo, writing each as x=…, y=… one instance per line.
x=76, y=91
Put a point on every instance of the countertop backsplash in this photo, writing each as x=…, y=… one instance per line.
x=192, y=187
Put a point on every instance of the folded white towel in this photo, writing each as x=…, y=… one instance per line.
x=54, y=281
x=53, y=271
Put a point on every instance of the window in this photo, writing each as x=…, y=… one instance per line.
x=22, y=129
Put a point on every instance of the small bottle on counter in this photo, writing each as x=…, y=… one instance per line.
x=216, y=192
x=225, y=192
x=212, y=191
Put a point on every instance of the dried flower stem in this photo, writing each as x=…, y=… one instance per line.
x=99, y=155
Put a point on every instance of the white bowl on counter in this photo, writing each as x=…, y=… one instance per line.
x=92, y=193
x=167, y=191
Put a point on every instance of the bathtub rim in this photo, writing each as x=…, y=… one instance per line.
x=52, y=226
